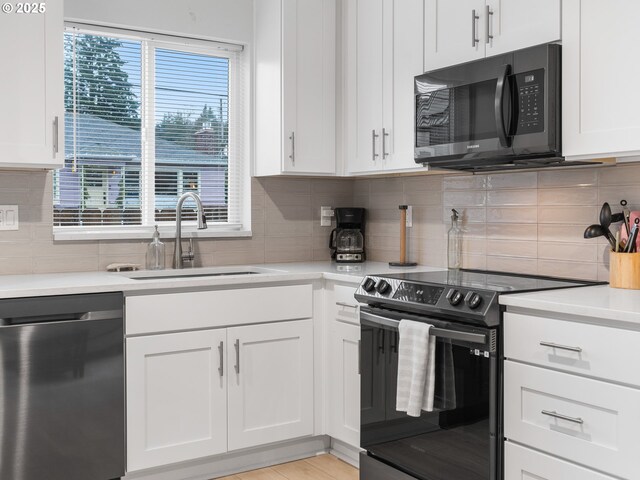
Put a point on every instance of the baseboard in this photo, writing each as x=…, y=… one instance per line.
x=235, y=462
x=346, y=452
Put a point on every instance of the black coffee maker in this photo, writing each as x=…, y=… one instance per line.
x=347, y=239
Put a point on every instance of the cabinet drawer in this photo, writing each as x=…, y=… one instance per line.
x=344, y=305
x=193, y=310
x=521, y=463
x=587, y=421
x=593, y=350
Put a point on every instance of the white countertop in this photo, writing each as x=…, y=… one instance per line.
x=14, y=286
x=599, y=302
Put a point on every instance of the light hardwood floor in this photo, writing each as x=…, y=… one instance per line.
x=323, y=467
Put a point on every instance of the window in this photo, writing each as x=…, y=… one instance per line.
x=148, y=118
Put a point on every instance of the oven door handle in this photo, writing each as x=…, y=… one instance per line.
x=503, y=132
x=478, y=338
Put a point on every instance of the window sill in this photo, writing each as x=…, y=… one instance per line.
x=139, y=232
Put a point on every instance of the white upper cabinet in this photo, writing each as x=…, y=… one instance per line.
x=464, y=30
x=516, y=24
x=383, y=48
x=454, y=32
x=295, y=79
x=600, y=71
x=31, y=87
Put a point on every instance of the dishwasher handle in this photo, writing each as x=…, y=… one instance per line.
x=58, y=318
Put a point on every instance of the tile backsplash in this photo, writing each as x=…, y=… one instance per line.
x=285, y=225
x=528, y=222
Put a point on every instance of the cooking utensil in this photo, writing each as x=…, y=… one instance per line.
x=617, y=241
x=631, y=244
x=626, y=214
x=595, y=231
x=605, y=222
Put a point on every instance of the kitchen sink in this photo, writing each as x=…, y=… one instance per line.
x=191, y=275
x=198, y=272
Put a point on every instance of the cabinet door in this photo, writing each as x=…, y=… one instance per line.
x=449, y=32
x=31, y=87
x=517, y=24
x=600, y=43
x=270, y=383
x=308, y=91
x=364, y=69
x=403, y=60
x=176, y=398
x=344, y=383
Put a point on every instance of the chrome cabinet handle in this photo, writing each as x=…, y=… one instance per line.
x=56, y=140
x=474, y=39
x=220, y=351
x=293, y=148
x=373, y=144
x=561, y=347
x=237, y=365
x=384, y=143
x=489, y=14
x=553, y=414
x=359, y=363
x=348, y=305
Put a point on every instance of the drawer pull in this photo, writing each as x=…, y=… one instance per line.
x=561, y=347
x=348, y=305
x=562, y=417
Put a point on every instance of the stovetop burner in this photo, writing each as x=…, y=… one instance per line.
x=468, y=295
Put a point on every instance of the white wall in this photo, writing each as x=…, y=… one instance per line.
x=225, y=20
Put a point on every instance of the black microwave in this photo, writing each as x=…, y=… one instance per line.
x=500, y=112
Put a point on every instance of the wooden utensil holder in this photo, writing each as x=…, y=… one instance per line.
x=624, y=270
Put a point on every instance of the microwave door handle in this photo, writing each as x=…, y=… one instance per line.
x=503, y=133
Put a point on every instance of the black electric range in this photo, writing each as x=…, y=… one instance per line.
x=461, y=439
x=466, y=295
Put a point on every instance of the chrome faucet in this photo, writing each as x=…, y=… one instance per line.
x=178, y=257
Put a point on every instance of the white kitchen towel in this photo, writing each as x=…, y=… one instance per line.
x=416, y=368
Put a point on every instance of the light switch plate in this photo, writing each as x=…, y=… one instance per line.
x=326, y=214
x=9, y=217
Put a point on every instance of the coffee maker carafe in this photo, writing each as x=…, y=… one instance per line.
x=347, y=239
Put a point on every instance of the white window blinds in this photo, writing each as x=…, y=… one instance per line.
x=147, y=120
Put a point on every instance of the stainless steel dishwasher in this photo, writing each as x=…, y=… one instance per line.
x=62, y=388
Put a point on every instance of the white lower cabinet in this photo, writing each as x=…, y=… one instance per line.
x=525, y=464
x=564, y=421
x=270, y=382
x=200, y=393
x=344, y=385
x=176, y=398
x=342, y=353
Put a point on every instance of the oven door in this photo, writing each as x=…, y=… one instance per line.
x=459, y=439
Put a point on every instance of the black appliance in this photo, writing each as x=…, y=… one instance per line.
x=347, y=239
x=462, y=438
x=62, y=398
x=500, y=112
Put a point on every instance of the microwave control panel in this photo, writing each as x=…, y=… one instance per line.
x=530, y=88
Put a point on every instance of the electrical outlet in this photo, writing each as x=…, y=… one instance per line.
x=326, y=214
x=409, y=216
x=9, y=217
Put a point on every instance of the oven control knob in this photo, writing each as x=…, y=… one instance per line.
x=454, y=297
x=383, y=287
x=473, y=300
x=368, y=285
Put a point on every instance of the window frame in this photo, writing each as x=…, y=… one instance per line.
x=237, y=170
